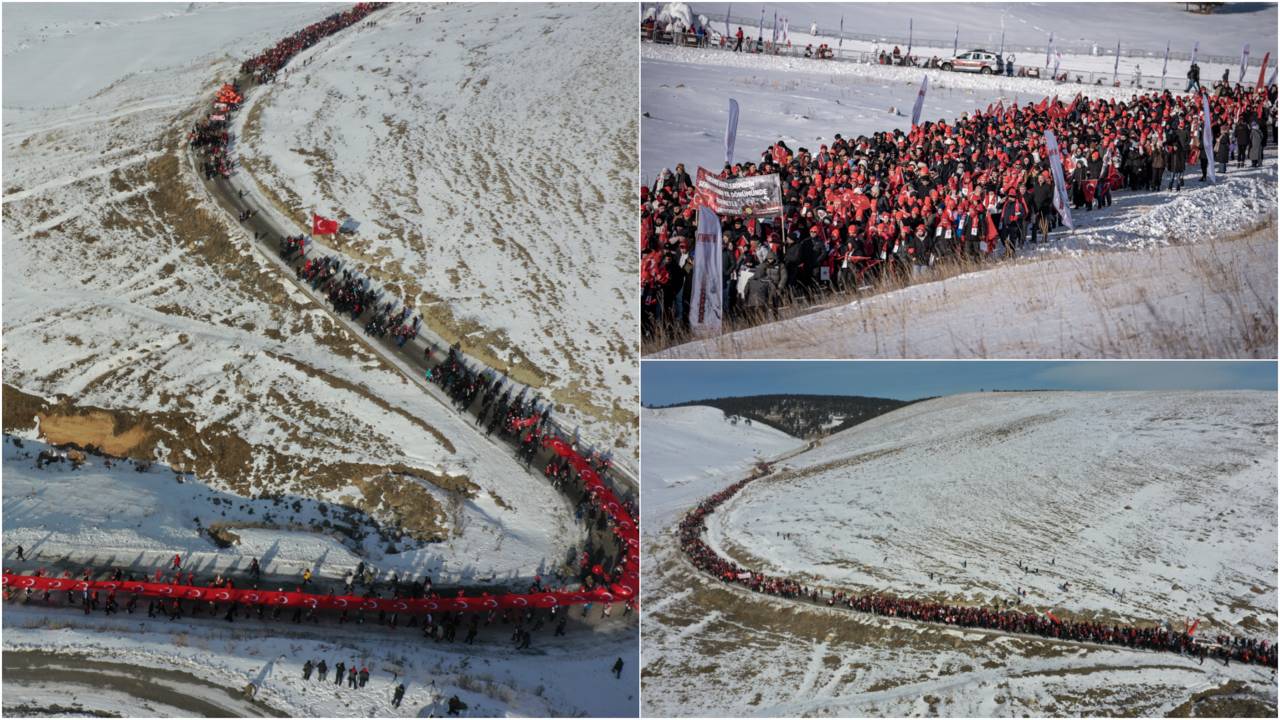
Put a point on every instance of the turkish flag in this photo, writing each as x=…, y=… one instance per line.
x=322, y=225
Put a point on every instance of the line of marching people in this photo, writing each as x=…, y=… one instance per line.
x=264, y=66
x=1007, y=619
x=895, y=203
x=211, y=135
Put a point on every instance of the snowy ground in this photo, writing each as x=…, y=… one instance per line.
x=724, y=452
x=555, y=677
x=119, y=516
x=491, y=172
x=711, y=649
x=1076, y=26
x=871, y=491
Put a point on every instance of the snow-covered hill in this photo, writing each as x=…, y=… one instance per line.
x=689, y=452
x=127, y=292
x=488, y=153
x=1165, y=497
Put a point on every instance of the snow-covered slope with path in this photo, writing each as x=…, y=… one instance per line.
x=1165, y=497
x=488, y=153
x=690, y=452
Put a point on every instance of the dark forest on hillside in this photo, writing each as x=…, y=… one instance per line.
x=803, y=416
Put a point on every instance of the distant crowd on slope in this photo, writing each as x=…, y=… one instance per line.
x=1009, y=619
x=893, y=204
x=264, y=66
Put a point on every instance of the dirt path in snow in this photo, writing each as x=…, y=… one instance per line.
x=81, y=681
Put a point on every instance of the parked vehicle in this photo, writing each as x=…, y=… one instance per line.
x=979, y=61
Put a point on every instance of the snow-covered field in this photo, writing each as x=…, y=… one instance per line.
x=1167, y=497
x=555, y=677
x=677, y=479
x=492, y=172
x=120, y=516
x=1140, y=26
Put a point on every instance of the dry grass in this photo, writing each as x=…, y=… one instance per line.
x=1223, y=309
x=796, y=303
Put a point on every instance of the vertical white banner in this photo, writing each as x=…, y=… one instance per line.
x=911, y=33
x=706, y=302
x=1115, y=72
x=1048, y=49
x=1244, y=62
x=760, y=32
x=731, y=132
x=774, y=41
x=727, y=34
x=1206, y=136
x=955, y=43
x=1057, y=62
x=915, y=112
x=1059, y=181
x=1195, y=50
x=841, y=43
x=1164, y=71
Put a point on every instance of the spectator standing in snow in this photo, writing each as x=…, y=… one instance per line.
x=1242, y=141
x=617, y=668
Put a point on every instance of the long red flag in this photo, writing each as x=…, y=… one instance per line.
x=1262, y=71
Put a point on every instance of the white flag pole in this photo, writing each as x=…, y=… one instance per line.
x=706, y=302
x=731, y=132
x=1115, y=73
x=915, y=112
x=1206, y=136
x=1165, y=70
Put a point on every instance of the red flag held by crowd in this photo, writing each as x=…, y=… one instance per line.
x=322, y=225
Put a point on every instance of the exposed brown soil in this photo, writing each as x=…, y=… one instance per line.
x=92, y=428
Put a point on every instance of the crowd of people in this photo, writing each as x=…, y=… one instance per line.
x=264, y=66
x=1011, y=618
x=211, y=135
x=894, y=203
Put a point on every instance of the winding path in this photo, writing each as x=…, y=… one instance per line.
x=964, y=618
